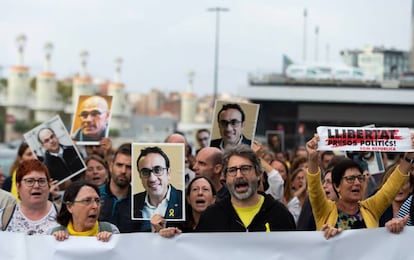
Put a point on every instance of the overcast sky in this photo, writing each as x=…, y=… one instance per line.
x=161, y=41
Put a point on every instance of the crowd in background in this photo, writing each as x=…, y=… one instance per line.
x=219, y=184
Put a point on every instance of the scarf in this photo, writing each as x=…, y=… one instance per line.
x=89, y=233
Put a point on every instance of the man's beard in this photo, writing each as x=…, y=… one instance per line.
x=246, y=195
x=122, y=183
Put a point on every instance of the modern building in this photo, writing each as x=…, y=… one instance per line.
x=294, y=108
x=378, y=63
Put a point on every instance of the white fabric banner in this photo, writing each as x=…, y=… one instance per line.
x=351, y=244
x=364, y=139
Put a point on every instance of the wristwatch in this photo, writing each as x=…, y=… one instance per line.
x=409, y=160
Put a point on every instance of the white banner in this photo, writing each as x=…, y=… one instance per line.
x=351, y=244
x=364, y=139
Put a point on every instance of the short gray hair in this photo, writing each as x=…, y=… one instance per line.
x=244, y=151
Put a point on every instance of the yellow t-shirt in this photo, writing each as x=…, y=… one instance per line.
x=247, y=214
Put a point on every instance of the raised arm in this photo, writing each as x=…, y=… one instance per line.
x=313, y=154
x=274, y=178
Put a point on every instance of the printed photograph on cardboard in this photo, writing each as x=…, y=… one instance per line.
x=91, y=119
x=158, y=171
x=52, y=145
x=233, y=123
x=275, y=140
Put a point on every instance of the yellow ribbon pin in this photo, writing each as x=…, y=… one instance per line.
x=267, y=227
x=171, y=213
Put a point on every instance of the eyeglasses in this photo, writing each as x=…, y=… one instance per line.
x=244, y=170
x=233, y=123
x=157, y=170
x=89, y=201
x=29, y=182
x=351, y=179
x=52, y=136
x=93, y=113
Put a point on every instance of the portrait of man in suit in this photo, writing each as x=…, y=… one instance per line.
x=231, y=122
x=160, y=196
x=53, y=146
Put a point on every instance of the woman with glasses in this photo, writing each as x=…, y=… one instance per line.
x=79, y=214
x=350, y=211
x=34, y=214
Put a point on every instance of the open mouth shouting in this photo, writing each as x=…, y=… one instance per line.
x=241, y=186
x=36, y=194
x=356, y=191
x=92, y=217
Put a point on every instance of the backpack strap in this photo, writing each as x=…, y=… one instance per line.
x=105, y=226
x=7, y=215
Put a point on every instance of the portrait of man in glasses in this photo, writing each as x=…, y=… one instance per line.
x=53, y=145
x=155, y=171
x=231, y=123
x=91, y=119
x=203, y=138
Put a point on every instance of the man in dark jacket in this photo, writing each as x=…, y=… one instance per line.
x=246, y=209
x=62, y=161
x=116, y=195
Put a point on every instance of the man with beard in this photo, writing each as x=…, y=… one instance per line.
x=246, y=210
x=116, y=195
x=94, y=117
x=159, y=197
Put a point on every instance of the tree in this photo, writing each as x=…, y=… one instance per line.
x=22, y=126
x=64, y=89
x=114, y=133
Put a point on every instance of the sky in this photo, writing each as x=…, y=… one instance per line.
x=162, y=41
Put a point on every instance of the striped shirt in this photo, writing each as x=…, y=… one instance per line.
x=405, y=210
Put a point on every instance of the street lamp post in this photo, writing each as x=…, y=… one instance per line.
x=216, y=49
x=305, y=15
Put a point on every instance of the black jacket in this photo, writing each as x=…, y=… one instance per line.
x=118, y=211
x=221, y=217
x=61, y=168
x=217, y=142
x=174, y=209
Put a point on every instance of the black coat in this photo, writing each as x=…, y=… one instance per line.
x=217, y=142
x=174, y=209
x=118, y=211
x=61, y=168
x=221, y=217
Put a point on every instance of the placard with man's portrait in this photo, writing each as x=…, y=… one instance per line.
x=52, y=145
x=233, y=123
x=91, y=119
x=158, y=172
x=276, y=140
